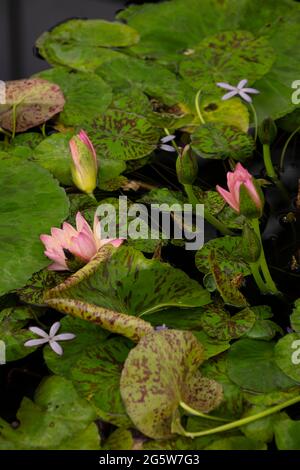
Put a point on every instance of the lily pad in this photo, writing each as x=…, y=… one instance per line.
x=287, y=355
x=122, y=279
x=87, y=95
x=236, y=443
x=85, y=44
x=228, y=255
x=36, y=102
x=218, y=141
x=295, y=317
x=252, y=366
x=161, y=371
x=226, y=57
x=287, y=434
x=31, y=202
x=217, y=323
x=47, y=422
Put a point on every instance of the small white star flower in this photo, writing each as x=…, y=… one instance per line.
x=52, y=338
x=238, y=90
x=164, y=143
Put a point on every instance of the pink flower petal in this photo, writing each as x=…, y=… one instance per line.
x=56, y=348
x=82, y=225
x=85, y=139
x=253, y=193
x=83, y=246
x=54, y=329
x=227, y=196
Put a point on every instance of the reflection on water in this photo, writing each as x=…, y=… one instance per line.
x=22, y=21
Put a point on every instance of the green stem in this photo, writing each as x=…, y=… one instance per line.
x=43, y=129
x=190, y=410
x=286, y=146
x=6, y=133
x=271, y=170
x=173, y=141
x=244, y=421
x=257, y=277
x=207, y=215
x=92, y=196
x=270, y=285
x=197, y=106
x=254, y=114
x=14, y=121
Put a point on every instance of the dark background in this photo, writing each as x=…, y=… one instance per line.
x=22, y=22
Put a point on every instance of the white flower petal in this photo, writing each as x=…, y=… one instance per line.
x=230, y=95
x=56, y=348
x=38, y=331
x=242, y=83
x=54, y=329
x=226, y=86
x=35, y=342
x=167, y=148
x=251, y=90
x=64, y=337
x=245, y=96
x=167, y=138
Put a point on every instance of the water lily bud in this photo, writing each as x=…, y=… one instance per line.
x=251, y=207
x=186, y=166
x=267, y=131
x=84, y=165
x=251, y=246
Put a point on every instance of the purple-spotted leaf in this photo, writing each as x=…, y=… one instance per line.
x=35, y=101
x=158, y=374
x=219, y=324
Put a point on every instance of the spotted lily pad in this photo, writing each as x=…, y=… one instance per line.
x=226, y=57
x=217, y=323
x=161, y=371
x=122, y=279
x=36, y=101
x=218, y=141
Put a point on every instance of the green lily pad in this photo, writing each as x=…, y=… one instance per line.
x=120, y=439
x=13, y=332
x=212, y=346
x=287, y=355
x=295, y=317
x=218, y=141
x=287, y=434
x=178, y=318
x=228, y=256
x=36, y=101
x=261, y=429
x=231, y=112
x=226, y=57
x=123, y=280
x=252, y=366
x=48, y=424
x=217, y=323
x=87, y=95
x=31, y=202
x=236, y=443
x=161, y=371
x=85, y=44
x=263, y=328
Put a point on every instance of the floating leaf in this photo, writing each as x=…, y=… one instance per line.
x=122, y=279
x=230, y=112
x=217, y=323
x=212, y=346
x=263, y=328
x=226, y=57
x=84, y=44
x=295, y=317
x=120, y=439
x=161, y=371
x=236, y=443
x=228, y=255
x=31, y=202
x=251, y=365
x=48, y=424
x=287, y=434
x=218, y=141
x=36, y=101
x=87, y=95
x=287, y=355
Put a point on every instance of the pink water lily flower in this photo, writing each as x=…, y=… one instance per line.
x=84, y=165
x=240, y=176
x=82, y=242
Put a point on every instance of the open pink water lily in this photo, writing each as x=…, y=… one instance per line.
x=52, y=338
x=82, y=242
x=238, y=90
x=235, y=179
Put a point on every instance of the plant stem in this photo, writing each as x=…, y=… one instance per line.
x=285, y=148
x=197, y=106
x=270, y=285
x=244, y=421
x=271, y=170
x=190, y=410
x=14, y=121
x=255, y=120
x=207, y=215
x=257, y=277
